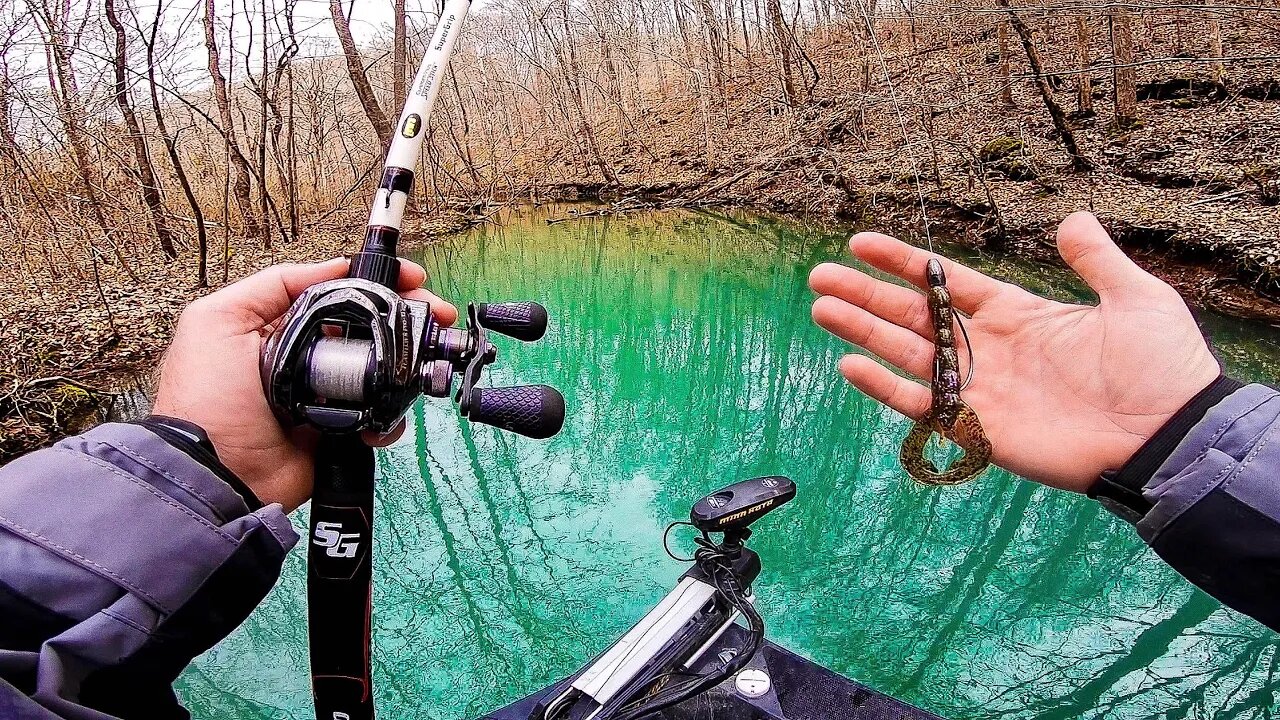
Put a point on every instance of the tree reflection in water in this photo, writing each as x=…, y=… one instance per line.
x=683, y=345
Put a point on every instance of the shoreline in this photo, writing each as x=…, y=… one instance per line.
x=64, y=367
x=1205, y=281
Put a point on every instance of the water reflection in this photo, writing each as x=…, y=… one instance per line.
x=683, y=345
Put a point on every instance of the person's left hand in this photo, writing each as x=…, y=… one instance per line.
x=210, y=376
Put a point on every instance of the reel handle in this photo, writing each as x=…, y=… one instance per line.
x=535, y=411
x=525, y=321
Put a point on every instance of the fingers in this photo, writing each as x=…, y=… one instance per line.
x=444, y=312
x=901, y=306
x=969, y=288
x=1090, y=251
x=266, y=295
x=879, y=383
x=412, y=275
x=897, y=345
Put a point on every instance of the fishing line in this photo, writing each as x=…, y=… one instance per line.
x=915, y=170
x=902, y=122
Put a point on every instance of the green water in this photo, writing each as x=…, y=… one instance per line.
x=683, y=345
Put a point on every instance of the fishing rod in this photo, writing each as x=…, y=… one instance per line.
x=351, y=356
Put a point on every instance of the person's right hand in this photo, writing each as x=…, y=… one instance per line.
x=1064, y=391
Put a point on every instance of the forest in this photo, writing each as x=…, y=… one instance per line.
x=150, y=150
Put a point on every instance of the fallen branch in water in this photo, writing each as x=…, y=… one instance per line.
x=627, y=204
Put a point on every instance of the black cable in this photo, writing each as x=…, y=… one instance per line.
x=667, y=548
x=718, y=566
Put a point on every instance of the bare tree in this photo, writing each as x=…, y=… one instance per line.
x=360, y=80
x=1002, y=46
x=571, y=72
x=59, y=42
x=1124, y=76
x=146, y=173
x=1084, y=84
x=399, y=53
x=1218, y=71
x=782, y=43
x=171, y=148
x=239, y=165
x=1078, y=161
x=714, y=41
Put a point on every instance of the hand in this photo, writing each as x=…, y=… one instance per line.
x=1064, y=391
x=210, y=377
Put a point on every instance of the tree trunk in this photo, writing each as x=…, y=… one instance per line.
x=146, y=173
x=1217, y=70
x=399, y=54
x=572, y=72
x=715, y=44
x=239, y=165
x=782, y=42
x=8, y=145
x=1078, y=161
x=359, y=80
x=1084, y=84
x=171, y=148
x=1006, y=82
x=63, y=89
x=1124, y=77
x=263, y=198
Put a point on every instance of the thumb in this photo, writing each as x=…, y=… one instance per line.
x=264, y=296
x=1090, y=251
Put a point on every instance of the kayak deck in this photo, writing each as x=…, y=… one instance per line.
x=799, y=689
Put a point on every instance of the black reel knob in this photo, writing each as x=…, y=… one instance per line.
x=525, y=321
x=535, y=411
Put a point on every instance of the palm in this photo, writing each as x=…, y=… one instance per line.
x=1063, y=391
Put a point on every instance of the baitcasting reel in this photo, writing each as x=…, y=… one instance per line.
x=353, y=355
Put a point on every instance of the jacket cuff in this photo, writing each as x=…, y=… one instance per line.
x=1216, y=514
x=1213, y=456
x=194, y=441
x=1122, y=491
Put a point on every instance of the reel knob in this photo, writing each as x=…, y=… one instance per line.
x=535, y=411
x=525, y=321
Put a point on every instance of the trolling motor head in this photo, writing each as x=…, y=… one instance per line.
x=353, y=355
x=731, y=510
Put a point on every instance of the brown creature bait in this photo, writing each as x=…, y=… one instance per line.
x=948, y=415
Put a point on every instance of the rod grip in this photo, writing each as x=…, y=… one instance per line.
x=339, y=578
x=525, y=321
x=535, y=411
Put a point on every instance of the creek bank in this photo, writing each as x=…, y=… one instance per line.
x=1231, y=270
x=69, y=363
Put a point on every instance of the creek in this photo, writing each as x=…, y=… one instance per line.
x=683, y=345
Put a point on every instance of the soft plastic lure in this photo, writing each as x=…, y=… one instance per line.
x=948, y=415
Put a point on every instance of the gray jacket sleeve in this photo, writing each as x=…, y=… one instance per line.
x=122, y=557
x=1216, y=504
